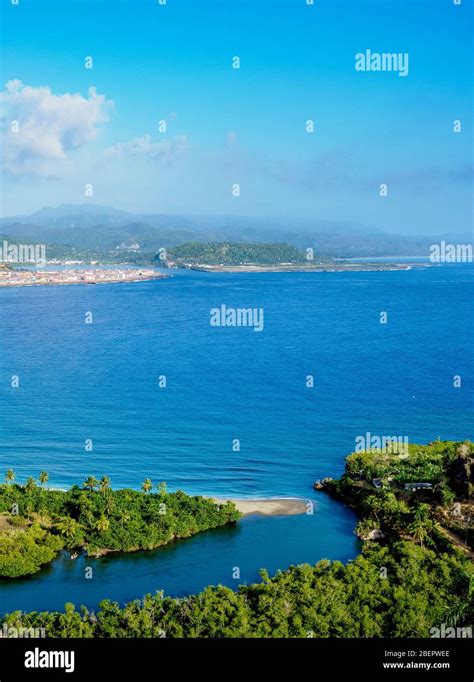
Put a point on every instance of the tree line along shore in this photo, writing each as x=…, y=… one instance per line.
x=413, y=577
x=36, y=523
x=262, y=257
x=213, y=256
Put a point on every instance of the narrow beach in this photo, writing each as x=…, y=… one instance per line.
x=286, y=506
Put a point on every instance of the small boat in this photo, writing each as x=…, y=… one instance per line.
x=74, y=555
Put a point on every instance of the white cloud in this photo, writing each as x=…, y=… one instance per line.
x=49, y=126
x=166, y=151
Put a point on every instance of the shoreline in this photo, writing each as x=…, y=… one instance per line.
x=396, y=546
x=355, y=267
x=262, y=506
x=20, y=278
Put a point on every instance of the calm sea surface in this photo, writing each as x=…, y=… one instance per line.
x=100, y=381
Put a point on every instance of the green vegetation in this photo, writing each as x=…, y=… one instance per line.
x=36, y=523
x=228, y=253
x=24, y=550
x=426, y=515
x=62, y=252
x=431, y=463
x=401, y=590
x=412, y=580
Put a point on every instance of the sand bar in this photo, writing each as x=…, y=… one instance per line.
x=285, y=506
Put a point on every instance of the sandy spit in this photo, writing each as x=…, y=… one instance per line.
x=284, y=506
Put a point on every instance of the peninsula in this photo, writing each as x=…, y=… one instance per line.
x=264, y=257
x=422, y=492
x=319, y=267
x=36, y=523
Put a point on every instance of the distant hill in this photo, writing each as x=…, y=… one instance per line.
x=91, y=226
x=59, y=251
x=105, y=237
x=226, y=253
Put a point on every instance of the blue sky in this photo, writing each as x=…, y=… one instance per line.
x=245, y=126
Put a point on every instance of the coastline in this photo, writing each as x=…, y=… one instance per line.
x=29, y=278
x=264, y=506
x=333, y=267
x=401, y=535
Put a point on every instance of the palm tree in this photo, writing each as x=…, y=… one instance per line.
x=422, y=512
x=373, y=504
x=30, y=484
x=419, y=531
x=393, y=509
x=161, y=487
x=43, y=477
x=104, y=484
x=147, y=485
x=103, y=524
x=422, y=524
x=109, y=503
x=85, y=508
x=69, y=527
x=91, y=482
x=9, y=476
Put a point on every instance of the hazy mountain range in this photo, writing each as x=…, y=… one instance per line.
x=94, y=227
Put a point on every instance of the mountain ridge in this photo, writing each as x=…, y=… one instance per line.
x=92, y=226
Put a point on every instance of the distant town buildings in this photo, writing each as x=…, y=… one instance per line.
x=12, y=278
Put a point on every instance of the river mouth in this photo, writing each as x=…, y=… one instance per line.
x=231, y=555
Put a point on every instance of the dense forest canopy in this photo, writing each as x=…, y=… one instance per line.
x=233, y=253
x=401, y=590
